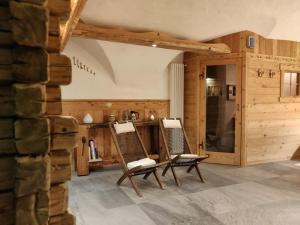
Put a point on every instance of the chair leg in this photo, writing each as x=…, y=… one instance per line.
x=190, y=168
x=158, y=180
x=135, y=186
x=147, y=175
x=199, y=173
x=165, y=170
x=122, y=178
x=175, y=177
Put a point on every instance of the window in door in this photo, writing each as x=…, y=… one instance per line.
x=220, y=108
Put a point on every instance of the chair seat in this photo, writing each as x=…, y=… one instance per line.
x=142, y=162
x=186, y=156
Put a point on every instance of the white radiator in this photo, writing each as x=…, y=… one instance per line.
x=176, y=89
x=176, y=103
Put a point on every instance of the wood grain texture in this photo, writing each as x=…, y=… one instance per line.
x=60, y=70
x=7, y=210
x=64, y=219
x=36, y=2
x=237, y=43
x=60, y=166
x=60, y=8
x=32, y=175
x=7, y=173
x=4, y=19
x=7, y=101
x=32, y=136
x=191, y=99
x=58, y=199
x=54, y=26
x=147, y=38
x=272, y=125
x=30, y=65
x=68, y=27
x=30, y=100
x=29, y=24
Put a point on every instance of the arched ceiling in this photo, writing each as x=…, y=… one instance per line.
x=199, y=19
x=123, y=71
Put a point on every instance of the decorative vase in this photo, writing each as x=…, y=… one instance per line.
x=87, y=118
x=152, y=117
x=111, y=118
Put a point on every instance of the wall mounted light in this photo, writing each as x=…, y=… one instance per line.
x=154, y=45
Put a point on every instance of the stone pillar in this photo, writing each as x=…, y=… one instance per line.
x=35, y=140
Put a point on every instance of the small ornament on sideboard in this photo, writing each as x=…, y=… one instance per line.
x=111, y=118
x=134, y=115
x=152, y=117
x=87, y=118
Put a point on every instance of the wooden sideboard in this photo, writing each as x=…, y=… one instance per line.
x=100, y=109
x=100, y=132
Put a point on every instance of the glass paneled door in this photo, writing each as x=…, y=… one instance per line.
x=220, y=112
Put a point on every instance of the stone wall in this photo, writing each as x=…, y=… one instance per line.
x=35, y=140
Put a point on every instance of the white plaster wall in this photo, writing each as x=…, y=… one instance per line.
x=122, y=71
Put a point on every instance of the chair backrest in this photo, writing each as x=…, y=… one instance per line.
x=174, y=137
x=128, y=142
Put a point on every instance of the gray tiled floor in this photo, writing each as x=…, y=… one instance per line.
x=267, y=194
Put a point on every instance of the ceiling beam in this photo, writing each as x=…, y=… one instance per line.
x=68, y=26
x=147, y=38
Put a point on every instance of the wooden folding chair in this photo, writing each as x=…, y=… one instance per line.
x=134, y=157
x=178, y=149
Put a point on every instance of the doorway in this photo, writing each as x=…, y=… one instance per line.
x=220, y=101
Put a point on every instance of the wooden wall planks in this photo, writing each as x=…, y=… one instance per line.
x=273, y=126
x=191, y=98
x=101, y=109
x=237, y=43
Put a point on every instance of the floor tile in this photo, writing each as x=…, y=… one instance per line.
x=177, y=210
x=238, y=196
x=279, y=213
x=267, y=194
x=127, y=215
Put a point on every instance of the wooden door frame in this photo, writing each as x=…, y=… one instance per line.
x=220, y=157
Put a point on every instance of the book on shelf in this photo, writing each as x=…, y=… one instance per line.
x=95, y=149
x=90, y=154
x=93, y=152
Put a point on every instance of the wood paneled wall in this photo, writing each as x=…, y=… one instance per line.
x=191, y=99
x=272, y=122
x=101, y=109
x=237, y=43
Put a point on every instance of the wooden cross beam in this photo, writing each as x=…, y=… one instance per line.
x=68, y=26
x=158, y=39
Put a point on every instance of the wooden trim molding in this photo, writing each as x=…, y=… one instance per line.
x=116, y=100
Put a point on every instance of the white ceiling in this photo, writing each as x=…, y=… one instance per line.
x=199, y=19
